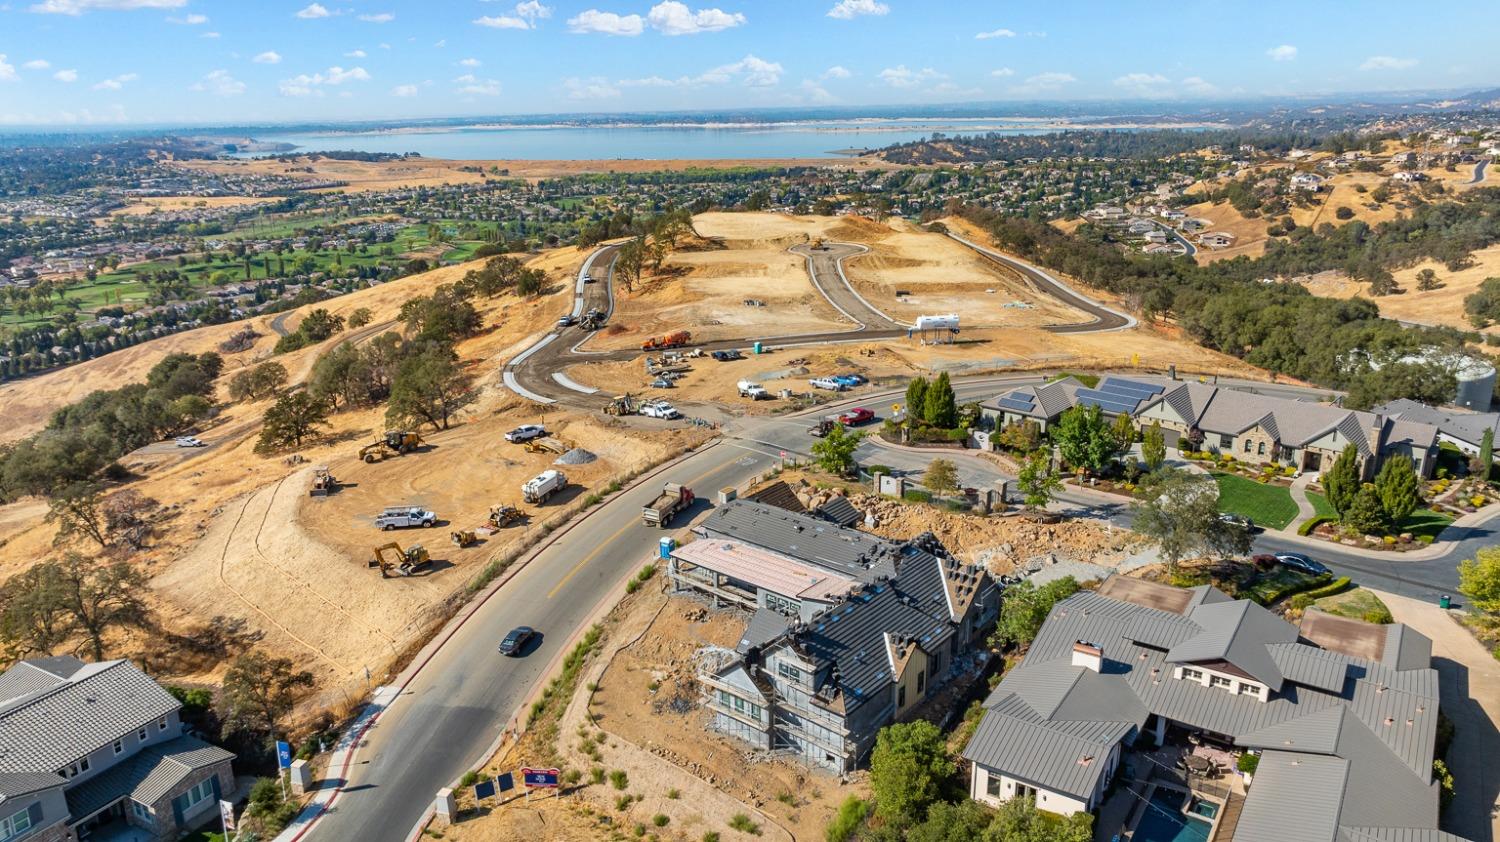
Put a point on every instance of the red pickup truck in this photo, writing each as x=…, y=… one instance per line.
x=856, y=416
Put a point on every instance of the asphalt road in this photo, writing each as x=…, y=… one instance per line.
x=825, y=265
x=1479, y=170
x=1104, y=319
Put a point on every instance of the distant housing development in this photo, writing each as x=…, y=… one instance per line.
x=96, y=748
x=850, y=631
x=1342, y=714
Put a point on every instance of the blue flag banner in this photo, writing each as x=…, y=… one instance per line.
x=506, y=782
x=484, y=789
x=283, y=754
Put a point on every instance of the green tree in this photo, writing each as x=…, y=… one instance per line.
x=1037, y=482
x=293, y=419
x=965, y=821
x=1341, y=481
x=1399, y=489
x=101, y=597
x=1483, y=305
x=76, y=511
x=939, y=405
x=360, y=317
x=1153, y=447
x=834, y=452
x=941, y=477
x=1485, y=459
x=909, y=771
x=259, y=692
x=343, y=373
x=429, y=386
x=1123, y=432
x=916, y=400
x=33, y=618
x=1479, y=579
x=445, y=316
x=1427, y=280
x=1024, y=608
x=1018, y=820
x=1179, y=512
x=1082, y=438
x=1020, y=436
x=1366, y=514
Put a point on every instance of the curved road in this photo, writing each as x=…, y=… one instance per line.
x=1105, y=319
x=1479, y=169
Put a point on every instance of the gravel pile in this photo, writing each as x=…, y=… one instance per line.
x=576, y=456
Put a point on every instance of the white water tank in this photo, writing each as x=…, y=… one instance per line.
x=947, y=322
x=1476, y=384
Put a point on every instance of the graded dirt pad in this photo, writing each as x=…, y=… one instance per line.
x=1442, y=306
x=362, y=176
x=151, y=204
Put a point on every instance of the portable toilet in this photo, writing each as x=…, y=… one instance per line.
x=668, y=544
x=757, y=348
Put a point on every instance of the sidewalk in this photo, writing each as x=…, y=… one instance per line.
x=1469, y=677
x=1305, y=508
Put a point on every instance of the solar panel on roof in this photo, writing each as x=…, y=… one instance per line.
x=1016, y=405
x=1132, y=387
x=1108, y=403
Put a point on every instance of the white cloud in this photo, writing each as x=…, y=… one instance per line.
x=594, y=87
x=116, y=83
x=901, y=76
x=382, y=17
x=849, y=9
x=1200, y=86
x=7, y=70
x=606, y=23
x=209, y=35
x=995, y=33
x=220, y=83
x=35, y=64
x=470, y=62
x=355, y=54
x=314, y=10
x=66, y=76
x=1002, y=72
x=1042, y=83
x=189, y=20
x=78, y=7
x=404, y=90
x=753, y=71
x=1285, y=52
x=1143, y=84
x=673, y=18
x=469, y=84
x=837, y=71
x=307, y=85
x=1388, y=63
x=816, y=93
x=268, y=57
x=524, y=16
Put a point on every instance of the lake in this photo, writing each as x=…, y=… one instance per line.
x=776, y=140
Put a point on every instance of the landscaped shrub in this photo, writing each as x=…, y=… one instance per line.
x=1337, y=586
x=1379, y=616
x=1248, y=763
x=1313, y=523
x=850, y=816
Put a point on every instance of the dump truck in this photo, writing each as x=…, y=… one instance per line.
x=676, y=339
x=752, y=390
x=323, y=482
x=397, y=442
x=674, y=498
x=543, y=485
x=393, y=560
x=503, y=515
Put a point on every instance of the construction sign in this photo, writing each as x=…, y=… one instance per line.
x=540, y=778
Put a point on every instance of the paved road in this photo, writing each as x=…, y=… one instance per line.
x=1177, y=235
x=825, y=265
x=1479, y=170
x=1104, y=319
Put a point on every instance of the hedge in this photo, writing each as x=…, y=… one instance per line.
x=1307, y=598
x=1273, y=597
x=1313, y=523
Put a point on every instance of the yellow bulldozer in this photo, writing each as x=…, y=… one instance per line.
x=504, y=515
x=395, y=561
x=547, y=445
x=323, y=482
x=394, y=442
x=463, y=538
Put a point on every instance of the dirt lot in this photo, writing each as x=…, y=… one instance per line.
x=152, y=204
x=1442, y=306
x=365, y=176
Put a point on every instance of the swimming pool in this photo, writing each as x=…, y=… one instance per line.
x=1205, y=810
x=1165, y=822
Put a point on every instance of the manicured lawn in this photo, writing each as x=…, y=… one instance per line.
x=1276, y=583
x=1270, y=506
x=1321, y=505
x=1423, y=522
x=1357, y=604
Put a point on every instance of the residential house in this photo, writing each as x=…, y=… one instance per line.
x=849, y=632
x=1408, y=177
x=1216, y=239
x=1343, y=714
x=1042, y=404
x=1463, y=430
x=1310, y=182
x=86, y=748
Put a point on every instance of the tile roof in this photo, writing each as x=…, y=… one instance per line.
x=51, y=727
x=36, y=674
x=17, y=784
x=145, y=776
x=1467, y=427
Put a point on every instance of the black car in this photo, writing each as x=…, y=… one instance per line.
x=726, y=356
x=1298, y=561
x=515, y=642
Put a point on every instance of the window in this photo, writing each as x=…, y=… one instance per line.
x=201, y=792
x=921, y=681
x=1247, y=445
x=779, y=603
x=141, y=734
x=120, y=746
x=1192, y=674
x=1226, y=441
x=1260, y=449
x=1024, y=791
x=992, y=785
x=739, y=705
x=14, y=825
x=73, y=770
x=1249, y=689
x=1219, y=681
x=901, y=696
x=141, y=811
x=787, y=671
x=161, y=724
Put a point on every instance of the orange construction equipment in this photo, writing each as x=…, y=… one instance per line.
x=676, y=339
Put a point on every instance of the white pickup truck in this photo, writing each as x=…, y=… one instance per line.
x=752, y=390
x=828, y=383
x=659, y=409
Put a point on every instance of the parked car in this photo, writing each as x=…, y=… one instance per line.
x=659, y=409
x=401, y=517
x=567, y=321
x=525, y=432
x=1238, y=520
x=828, y=383
x=856, y=416
x=726, y=356
x=189, y=441
x=662, y=383
x=515, y=641
x=1300, y=562
x=588, y=279
x=850, y=380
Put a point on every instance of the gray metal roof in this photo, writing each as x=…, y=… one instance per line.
x=765, y=625
x=1396, y=834
x=17, y=784
x=1467, y=427
x=1237, y=632
x=1405, y=648
x=840, y=511
x=808, y=538
x=52, y=727
x=1295, y=798
x=1012, y=737
x=145, y=776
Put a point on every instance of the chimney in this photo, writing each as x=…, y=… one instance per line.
x=1088, y=655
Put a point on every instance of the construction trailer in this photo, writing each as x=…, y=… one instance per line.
x=395, y=561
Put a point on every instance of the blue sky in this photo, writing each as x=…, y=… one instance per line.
x=198, y=61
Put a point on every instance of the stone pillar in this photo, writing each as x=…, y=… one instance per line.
x=301, y=777
x=446, y=807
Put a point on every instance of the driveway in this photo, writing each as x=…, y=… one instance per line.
x=1470, y=680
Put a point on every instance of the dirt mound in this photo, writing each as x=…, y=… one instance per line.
x=859, y=229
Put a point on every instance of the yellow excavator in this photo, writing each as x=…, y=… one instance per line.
x=395, y=561
x=394, y=442
x=504, y=515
